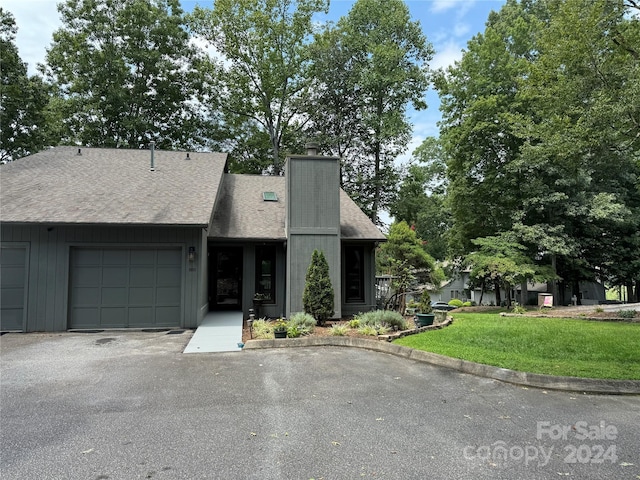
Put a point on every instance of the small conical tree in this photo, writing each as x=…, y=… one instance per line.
x=317, y=298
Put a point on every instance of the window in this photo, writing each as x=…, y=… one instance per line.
x=354, y=274
x=266, y=272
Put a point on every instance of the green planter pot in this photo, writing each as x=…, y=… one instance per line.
x=425, y=319
x=282, y=334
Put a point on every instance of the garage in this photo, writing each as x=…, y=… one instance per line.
x=125, y=287
x=13, y=287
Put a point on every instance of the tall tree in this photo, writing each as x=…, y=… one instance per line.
x=125, y=70
x=478, y=102
x=371, y=66
x=421, y=199
x=581, y=140
x=22, y=99
x=262, y=68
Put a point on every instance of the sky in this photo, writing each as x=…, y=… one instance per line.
x=447, y=24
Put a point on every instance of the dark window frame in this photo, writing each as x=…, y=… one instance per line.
x=354, y=267
x=265, y=281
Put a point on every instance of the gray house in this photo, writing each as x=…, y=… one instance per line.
x=111, y=238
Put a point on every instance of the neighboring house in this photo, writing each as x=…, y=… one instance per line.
x=591, y=293
x=98, y=238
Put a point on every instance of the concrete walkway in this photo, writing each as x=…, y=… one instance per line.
x=218, y=332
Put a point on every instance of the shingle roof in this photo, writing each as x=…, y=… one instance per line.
x=110, y=186
x=241, y=212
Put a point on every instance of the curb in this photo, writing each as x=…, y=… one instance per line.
x=550, y=382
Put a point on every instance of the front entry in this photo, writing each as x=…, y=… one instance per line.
x=225, y=278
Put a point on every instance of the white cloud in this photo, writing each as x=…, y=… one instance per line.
x=36, y=21
x=446, y=55
x=461, y=6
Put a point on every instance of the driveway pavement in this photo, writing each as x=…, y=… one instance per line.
x=127, y=405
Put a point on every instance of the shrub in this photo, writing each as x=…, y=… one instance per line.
x=382, y=329
x=627, y=313
x=368, y=330
x=293, y=331
x=262, y=329
x=354, y=323
x=599, y=309
x=338, y=330
x=304, y=322
x=466, y=304
x=517, y=308
x=455, y=302
x=318, y=296
x=382, y=317
x=425, y=302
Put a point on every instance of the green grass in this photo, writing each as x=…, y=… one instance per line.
x=553, y=346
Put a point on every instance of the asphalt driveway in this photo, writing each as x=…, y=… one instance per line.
x=128, y=405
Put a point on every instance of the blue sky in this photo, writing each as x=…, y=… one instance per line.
x=447, y=24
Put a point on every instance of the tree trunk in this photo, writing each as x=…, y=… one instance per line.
x=554, y=283
x=481, y=292
x=496, y=286
x=507, y=292
x=524, y=293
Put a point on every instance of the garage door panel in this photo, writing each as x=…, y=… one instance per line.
x=167, y=316
x=143, y=276
x=12, y=276
x=85, y=317
x=88, y=276
x=144, y=257
x=141, y=296
x=86, y=257
x=169, y=257
x=113, y=317
x=12, y=297
x=168, y=276
x=145, y=316
x=168, y=295
x=115, y=257
x=13, y=286
x=112, y=296
x=113, y=276
x=86, y=296
x=126, y=288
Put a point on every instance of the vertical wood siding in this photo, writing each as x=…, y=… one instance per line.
x=49, y=246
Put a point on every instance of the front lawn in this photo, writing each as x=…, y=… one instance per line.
x=554, y=346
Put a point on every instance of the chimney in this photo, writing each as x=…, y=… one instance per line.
x=152, y=145
x=312, y=149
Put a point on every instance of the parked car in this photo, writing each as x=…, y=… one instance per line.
x=442, y=306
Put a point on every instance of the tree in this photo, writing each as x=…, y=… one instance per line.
x=371, y=66
x=403, y=256
x=262, y=73
x=479, y=100
x=581, y=144
x=126, y=74
x=502, y=262
x=22, y=99
x=421, y=199
x=318, y=295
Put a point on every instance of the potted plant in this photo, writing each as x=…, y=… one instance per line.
x=426, y=316
x=258, y=300
x=280, y=329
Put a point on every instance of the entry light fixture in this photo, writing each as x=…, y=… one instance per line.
x=192, y=254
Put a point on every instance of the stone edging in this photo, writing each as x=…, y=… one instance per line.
x=551, y=382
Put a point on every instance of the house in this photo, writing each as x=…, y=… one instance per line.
x=110, y=238
x=591, y=293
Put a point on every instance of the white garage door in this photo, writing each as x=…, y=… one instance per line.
x=120, y=288
x=13, y=286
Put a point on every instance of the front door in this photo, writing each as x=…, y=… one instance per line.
x=225, y=278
